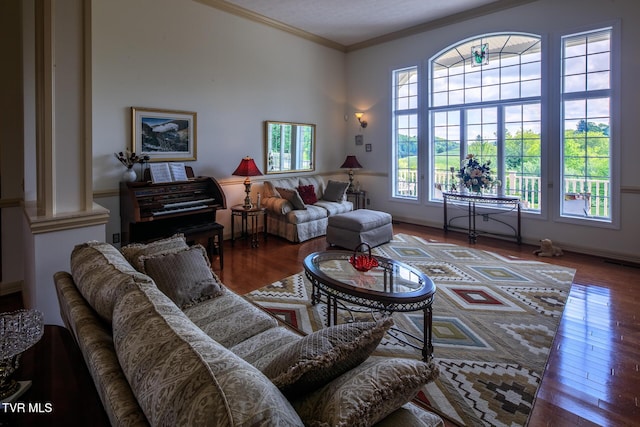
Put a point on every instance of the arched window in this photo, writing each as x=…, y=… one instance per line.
x=485, y=100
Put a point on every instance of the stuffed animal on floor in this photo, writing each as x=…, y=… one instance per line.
x=547, y=249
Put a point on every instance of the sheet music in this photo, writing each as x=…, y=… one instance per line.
x=178, y=173
x=160, y=172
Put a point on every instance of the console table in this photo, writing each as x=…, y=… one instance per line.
x=505, y=203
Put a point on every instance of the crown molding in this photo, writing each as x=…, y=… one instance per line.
x=417, y=29
x=440, y=22
x=256, y=17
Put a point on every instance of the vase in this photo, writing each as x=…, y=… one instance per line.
x=129, y=175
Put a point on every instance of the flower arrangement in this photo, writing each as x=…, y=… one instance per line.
x=129, y=159
x=473, y=175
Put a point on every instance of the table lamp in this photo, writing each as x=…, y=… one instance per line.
x=247, y=168
x=19, y=330
x=351, y=163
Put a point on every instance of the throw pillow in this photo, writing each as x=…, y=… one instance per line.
x=308, y=194
x=367, y=394
x=184, y=276
x=270, y=190
x=293, y=197
x=134, y=251
x=335, y=191
x=324, y=355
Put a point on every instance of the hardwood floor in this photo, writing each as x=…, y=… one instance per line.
x=593, y=371
x=593, y=368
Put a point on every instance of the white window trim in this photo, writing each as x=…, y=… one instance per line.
x=555, y=100
x=544, y=135
x=392, y=131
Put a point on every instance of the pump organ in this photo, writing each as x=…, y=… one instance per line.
x=151, y=211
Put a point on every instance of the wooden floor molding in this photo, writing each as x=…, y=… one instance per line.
x=593, y=370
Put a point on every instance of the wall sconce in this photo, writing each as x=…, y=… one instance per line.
x=363, y=123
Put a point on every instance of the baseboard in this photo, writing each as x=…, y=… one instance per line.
x=10, y=287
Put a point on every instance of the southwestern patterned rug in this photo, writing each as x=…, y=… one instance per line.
x=494, y=319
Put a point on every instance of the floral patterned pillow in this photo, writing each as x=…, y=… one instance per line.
x=368, y=393
x=184, y=276
x=134, y=251
x=318, y=358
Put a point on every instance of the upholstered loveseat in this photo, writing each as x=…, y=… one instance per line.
x=299, y=207
x=174, y=347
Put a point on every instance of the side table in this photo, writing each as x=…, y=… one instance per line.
x=359, y=198
x=249, y=223
x=62, y=391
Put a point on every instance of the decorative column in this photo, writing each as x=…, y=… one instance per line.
x=63, y=213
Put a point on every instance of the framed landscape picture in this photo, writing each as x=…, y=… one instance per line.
x=163, y=135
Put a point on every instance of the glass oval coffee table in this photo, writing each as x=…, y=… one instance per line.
x=391, y=287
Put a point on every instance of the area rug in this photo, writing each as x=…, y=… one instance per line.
x=494, y=319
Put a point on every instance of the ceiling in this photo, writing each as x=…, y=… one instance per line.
x=352, y=24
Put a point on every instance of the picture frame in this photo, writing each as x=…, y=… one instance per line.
x=367, y=147
x=359, y=139
x=164, y=135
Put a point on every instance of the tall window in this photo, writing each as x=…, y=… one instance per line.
x=485, y=100
x=586, y=111
x=405, y=133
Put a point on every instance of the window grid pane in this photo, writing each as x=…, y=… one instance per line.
x=405, y=134
x=523, y=156
x=586, y=142
x=513, y=72
x=446, y=152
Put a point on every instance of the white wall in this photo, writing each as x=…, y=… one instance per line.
x=51, y=252
x=180, y=54
x=369, y=80
x=234, y=73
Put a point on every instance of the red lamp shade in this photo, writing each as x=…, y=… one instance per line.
x=351, y=163
x=247, y=167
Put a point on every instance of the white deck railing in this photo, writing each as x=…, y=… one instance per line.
x=525, y=187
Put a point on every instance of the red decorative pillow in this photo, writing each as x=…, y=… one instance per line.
x=308, y=194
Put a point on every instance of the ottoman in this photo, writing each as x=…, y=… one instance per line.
x=350, y=229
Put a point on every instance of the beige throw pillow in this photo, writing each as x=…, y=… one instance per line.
x=324, y=355
x=293, y=197
x=366, y=394
x=184, y=276
x=134, y=251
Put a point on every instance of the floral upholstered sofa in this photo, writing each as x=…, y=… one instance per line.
x=167, y=344
x=298, y=208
